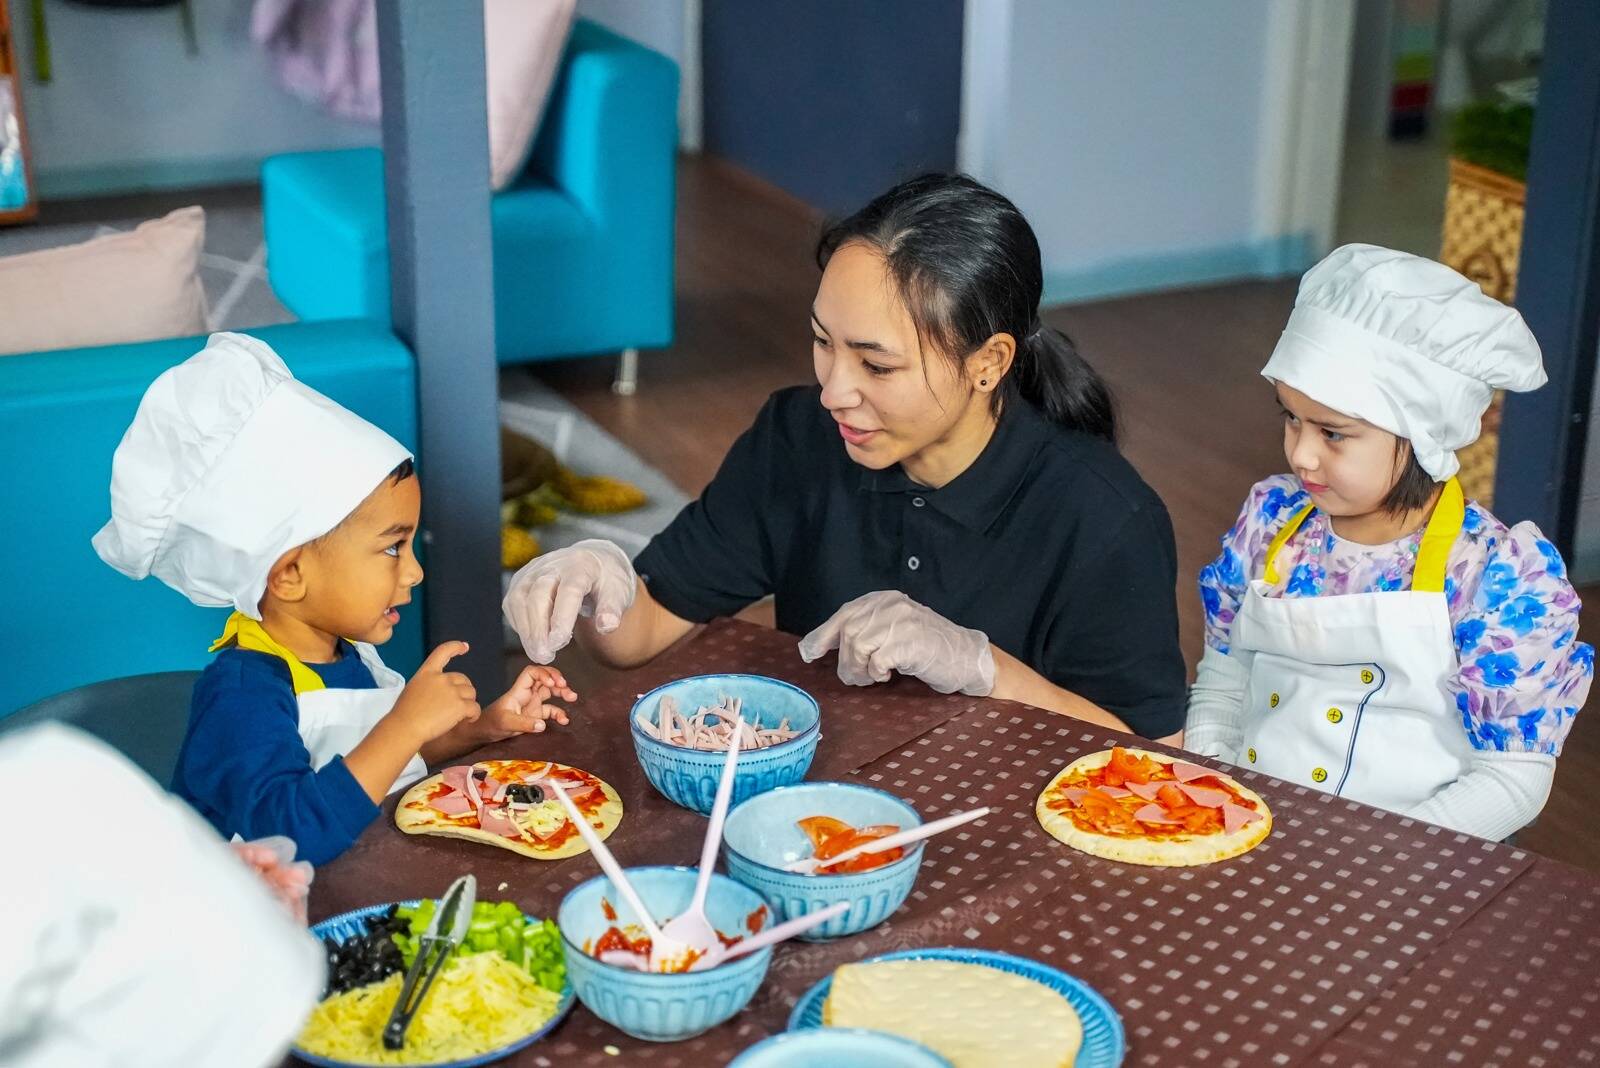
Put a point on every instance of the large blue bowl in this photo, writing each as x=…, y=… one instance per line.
x=652, y=1006
x=762, y=835
x=353, y=924
x=688, y=777
x=838, y=1047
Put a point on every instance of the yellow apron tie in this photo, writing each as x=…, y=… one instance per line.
x=1432, y=555
x=246, y=633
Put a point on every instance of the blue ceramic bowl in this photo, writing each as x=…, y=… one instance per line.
x=688, y=777
x=762, y=835
x=652, y=1006
x=838, y=1047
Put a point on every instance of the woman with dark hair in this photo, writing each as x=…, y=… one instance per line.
x=947, y=502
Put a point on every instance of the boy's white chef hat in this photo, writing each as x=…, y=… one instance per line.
x=229, y=464
x=1406, y=344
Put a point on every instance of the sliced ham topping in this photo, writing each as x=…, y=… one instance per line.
x=1186, y=772
x=456, y=778
x=1153, y=813
x=1205, y=796
x=1237, y=816
x=495, y=821
x=1146, y=790
x=1073, y=793
x=451, y=804
x=1117, y=791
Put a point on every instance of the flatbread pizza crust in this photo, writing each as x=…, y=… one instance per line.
x=1173, y=849
x=415, y=816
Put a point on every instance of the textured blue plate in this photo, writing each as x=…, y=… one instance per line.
x=1103, y=1043
x=349, y=924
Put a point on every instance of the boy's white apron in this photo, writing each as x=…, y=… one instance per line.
x=1347, y=693
x=332, y=721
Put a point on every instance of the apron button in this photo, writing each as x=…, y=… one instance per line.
x=1251, y=755
x=1319, y=774
x=1272, y=702
x=1366, y=676
x=1334, y=715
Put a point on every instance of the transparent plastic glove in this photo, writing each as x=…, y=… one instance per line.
x=887, y=631
x=592, y=578
x=288, y=879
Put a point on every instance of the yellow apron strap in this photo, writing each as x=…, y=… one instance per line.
x=247, y=633
x=1282, y=538
x=1434, y=552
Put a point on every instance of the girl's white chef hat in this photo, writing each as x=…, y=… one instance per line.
x=1406, y=344
x=230, y=463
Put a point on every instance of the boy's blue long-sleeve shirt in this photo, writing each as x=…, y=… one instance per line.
x=244, y=767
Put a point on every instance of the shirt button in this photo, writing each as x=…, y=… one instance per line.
x=1367, y=677
x=913, y=563
x=917, y=502
x=1272, y=702
x=1251, y=753
x=1334, y=715
x=1319, y=774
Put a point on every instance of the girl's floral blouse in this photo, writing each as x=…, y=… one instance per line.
x=1521, y=673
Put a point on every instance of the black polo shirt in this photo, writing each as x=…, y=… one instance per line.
x=1050, y=543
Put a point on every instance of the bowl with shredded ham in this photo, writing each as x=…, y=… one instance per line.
x=681, y=733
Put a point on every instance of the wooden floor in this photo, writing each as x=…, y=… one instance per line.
x=1200, y=423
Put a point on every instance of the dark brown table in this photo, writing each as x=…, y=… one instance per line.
x=1351, y=936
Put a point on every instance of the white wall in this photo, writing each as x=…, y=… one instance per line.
x=129, y=108
x=1131, y=135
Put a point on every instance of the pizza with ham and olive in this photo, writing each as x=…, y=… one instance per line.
x=1139, y=807
x=509, y=803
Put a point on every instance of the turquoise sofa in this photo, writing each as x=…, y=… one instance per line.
x=583, y=239
x=68, y=619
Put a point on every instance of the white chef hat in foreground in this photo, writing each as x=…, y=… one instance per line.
x=230, y=463
x=1408, y=345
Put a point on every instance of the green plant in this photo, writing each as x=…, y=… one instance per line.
x=1495, y=136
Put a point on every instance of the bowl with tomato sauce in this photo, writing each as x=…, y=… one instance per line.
x=660, y=1007
x=823, y=819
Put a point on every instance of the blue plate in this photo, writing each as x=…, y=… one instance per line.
x=1104, y=1045
x=347, y=925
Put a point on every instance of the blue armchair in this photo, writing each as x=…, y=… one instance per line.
x=583, y=239
x=68, y=619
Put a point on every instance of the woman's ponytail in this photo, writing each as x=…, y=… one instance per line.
x=1049, y=374
x=967, y=265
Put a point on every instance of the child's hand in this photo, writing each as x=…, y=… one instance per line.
x=523, y=708
x=435, y=700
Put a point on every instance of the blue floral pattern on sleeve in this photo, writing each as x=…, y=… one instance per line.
x=1523, y=674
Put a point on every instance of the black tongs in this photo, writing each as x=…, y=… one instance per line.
x=454, y=918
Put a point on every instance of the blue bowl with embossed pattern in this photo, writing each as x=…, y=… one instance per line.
x=688, y=777
x=763, y=834
x=654, y=1006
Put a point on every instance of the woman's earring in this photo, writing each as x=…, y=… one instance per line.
x=983, y=381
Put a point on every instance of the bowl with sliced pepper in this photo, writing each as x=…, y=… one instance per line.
x=824, y=820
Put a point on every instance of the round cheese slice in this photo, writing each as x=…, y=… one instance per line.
x=974, y=1016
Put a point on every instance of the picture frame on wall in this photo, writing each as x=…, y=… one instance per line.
x=18, y=201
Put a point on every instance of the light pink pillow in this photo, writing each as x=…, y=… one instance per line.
x=523, y=42
x=136, y=286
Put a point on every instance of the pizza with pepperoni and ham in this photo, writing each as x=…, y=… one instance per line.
x=1140, y=807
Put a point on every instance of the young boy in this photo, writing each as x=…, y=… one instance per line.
x=238, y=485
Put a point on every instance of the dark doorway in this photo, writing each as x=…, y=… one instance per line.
x=832, y=100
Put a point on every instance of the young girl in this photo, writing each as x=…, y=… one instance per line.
x=237, y=485
x=1368, y=632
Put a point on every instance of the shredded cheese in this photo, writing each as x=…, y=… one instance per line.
x=479, y=1002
